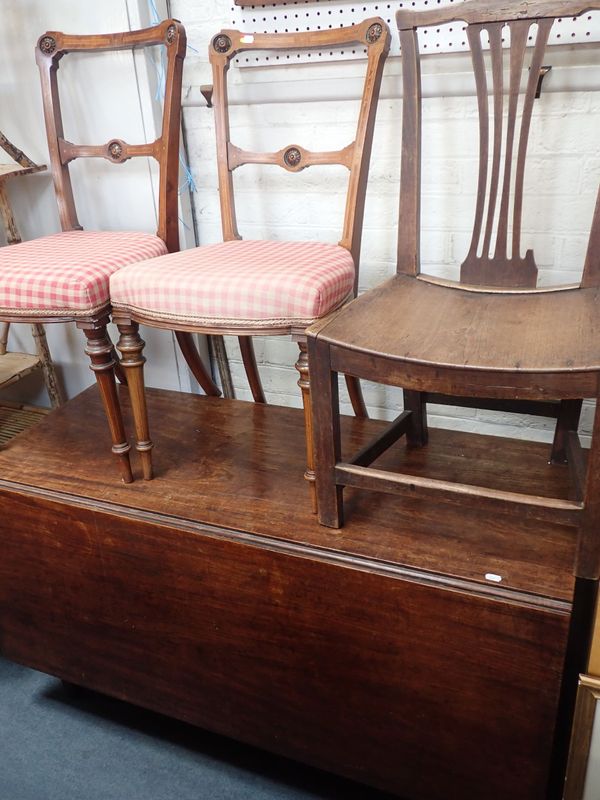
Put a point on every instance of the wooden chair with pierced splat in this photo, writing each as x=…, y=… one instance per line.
x=266, y=287
x=491, y=337
x=65, y=277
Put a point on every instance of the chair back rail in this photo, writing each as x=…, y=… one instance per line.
x=372, y=33
x=51, y=48
x=503, y=135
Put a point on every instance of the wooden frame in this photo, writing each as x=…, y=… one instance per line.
x=51, y=47
x=372, y=33
x=366, y=339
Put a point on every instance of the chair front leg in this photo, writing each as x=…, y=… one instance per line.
x=304, y=384
x=131, y=346
x=327, y=437
x=99, y=348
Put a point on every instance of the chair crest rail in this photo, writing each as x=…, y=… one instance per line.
x=478, y=11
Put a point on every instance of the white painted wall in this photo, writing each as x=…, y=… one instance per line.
x=103, y=96
x=559, y=196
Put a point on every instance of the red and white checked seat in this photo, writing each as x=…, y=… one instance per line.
x=67, y=274
x=238, y=284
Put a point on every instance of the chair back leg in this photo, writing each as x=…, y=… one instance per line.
x=249, y=360
x=192, y=357
x=356, y=397
x=4, y=328
x=53, y=385
x=417, y=434
x=568, y=421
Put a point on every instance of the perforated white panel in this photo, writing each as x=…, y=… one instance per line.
x=308, y=15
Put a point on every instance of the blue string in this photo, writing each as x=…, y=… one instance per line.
x=154, y=15
x=189, y=178
x=159, y=66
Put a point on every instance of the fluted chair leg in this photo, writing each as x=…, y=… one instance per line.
x=99, y=348
x=131, y=346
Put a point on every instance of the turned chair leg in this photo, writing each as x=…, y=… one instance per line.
x=131, y=346
x=99, y=349
x=304, y=384
x=417, y=434
x=568, y=420
x=356, y=397
x=327, y=437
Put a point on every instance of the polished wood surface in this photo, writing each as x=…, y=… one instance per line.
x=259, y=450
x=380, y=652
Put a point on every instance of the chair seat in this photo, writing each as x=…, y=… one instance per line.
x=67, y=274
x=238, y=284
x=413, y=320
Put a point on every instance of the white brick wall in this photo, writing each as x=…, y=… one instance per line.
x=560, y=194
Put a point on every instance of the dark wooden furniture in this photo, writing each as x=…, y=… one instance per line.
x=380, y=652
x=372, y=33
x=491, y=336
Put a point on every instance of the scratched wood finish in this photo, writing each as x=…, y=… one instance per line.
x=492, y=336
x=375, y=35
x=259, y=450
x=376, y=653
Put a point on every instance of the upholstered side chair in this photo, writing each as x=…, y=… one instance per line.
x=64, y=277
x=492, y=336
x=256, y=288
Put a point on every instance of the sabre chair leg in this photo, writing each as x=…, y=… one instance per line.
x=304, y=384
x=99, y=348
x=356, y=397
x=568, y=420
x=249, y=360
x=417, y=434
x=327, y=439
x=194, y=361
x=131, y=346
